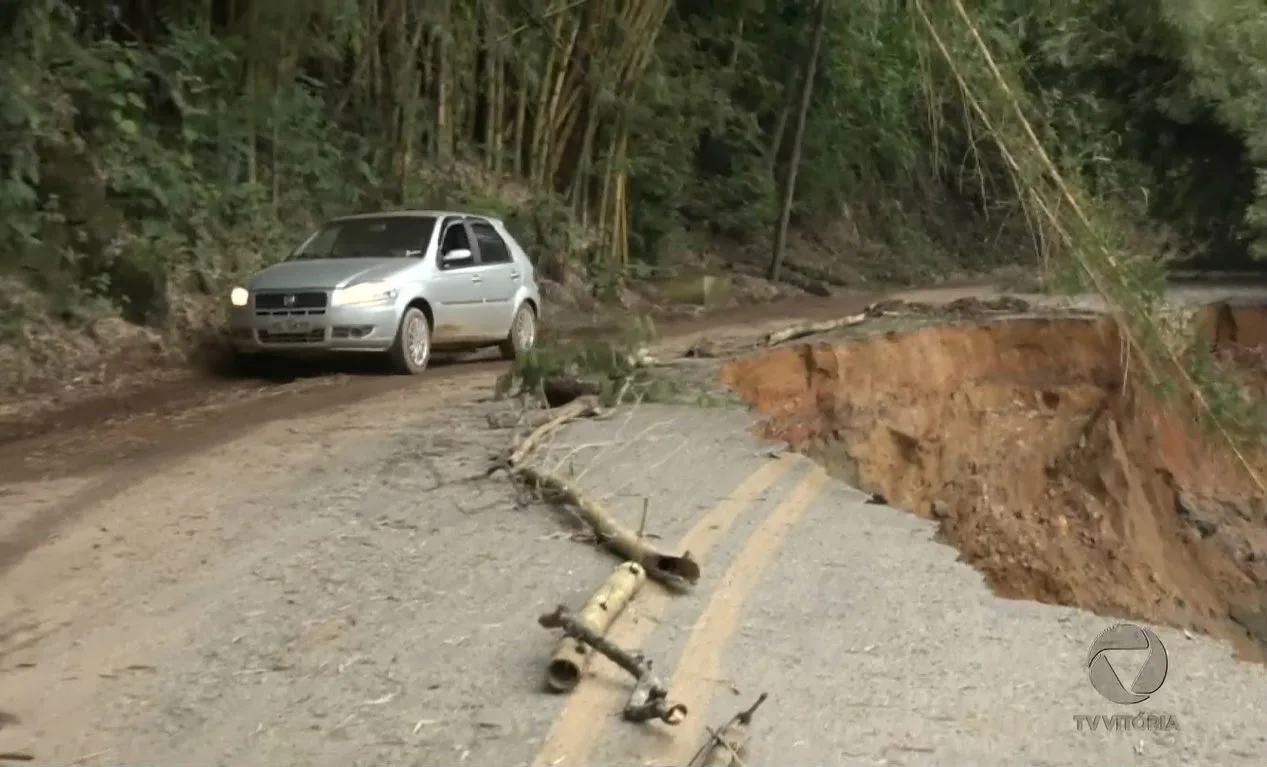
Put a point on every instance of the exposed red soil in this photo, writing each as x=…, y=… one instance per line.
x=1046, y=460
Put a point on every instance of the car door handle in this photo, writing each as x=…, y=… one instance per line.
x=514, y=274
x=476, y=278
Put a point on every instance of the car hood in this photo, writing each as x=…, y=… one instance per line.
x=327, y=273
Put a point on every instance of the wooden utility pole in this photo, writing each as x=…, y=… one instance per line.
x=798, y=138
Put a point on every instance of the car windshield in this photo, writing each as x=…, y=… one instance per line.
x=377, y=237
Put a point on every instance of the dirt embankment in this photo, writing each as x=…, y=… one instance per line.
x=1046, y=461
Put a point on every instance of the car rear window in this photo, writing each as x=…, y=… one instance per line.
x=377, y=237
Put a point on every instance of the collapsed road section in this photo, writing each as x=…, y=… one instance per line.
x=1045, y=458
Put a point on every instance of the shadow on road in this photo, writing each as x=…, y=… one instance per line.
x=214, y=360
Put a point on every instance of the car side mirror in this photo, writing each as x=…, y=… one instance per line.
x=457, y=256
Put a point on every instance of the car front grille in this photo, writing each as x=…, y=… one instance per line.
x=289, y=312
x=313, y=299
x=304, y=337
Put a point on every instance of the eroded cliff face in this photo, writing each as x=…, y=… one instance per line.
x=1045, y=458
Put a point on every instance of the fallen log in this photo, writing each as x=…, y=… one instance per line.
x=649, y=699
x=563, y=673
x=813, y=328
x=728, y=746
x=671, y=570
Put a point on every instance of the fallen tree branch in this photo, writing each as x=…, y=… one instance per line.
x=531, y=417
x=727, y=747
x=649, y=699
x=813, y=328
x=586, y=407
x=671, y=570
x=563, y=673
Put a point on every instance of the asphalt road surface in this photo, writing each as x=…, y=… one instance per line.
x=329, y=586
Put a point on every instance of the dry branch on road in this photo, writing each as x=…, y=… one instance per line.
x=813, y=328
x=586, y=407
x=672, y=570
x=649, y=699
x=727, y=747
x=563, y=673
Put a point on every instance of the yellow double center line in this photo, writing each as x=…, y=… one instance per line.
x=699, y=667
x=580, y=723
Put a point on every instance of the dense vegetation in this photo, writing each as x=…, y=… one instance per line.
x=153, y=150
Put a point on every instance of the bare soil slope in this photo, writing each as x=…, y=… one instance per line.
x=1047, y=464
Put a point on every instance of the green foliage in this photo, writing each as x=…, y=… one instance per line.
x=137, y=166
x=614, y=364
x=1227, y=396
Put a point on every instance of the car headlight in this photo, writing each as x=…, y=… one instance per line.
x=364, y=293
x=239, y=297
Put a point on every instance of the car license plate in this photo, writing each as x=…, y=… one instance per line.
x=290, y=326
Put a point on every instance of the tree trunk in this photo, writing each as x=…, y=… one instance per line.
x=444, y=90
x=798, y=137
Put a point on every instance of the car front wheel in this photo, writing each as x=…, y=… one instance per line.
x=412, y=350
x=523, y=333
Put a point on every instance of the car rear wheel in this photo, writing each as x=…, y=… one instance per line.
x=522, y=335
x=412, y=350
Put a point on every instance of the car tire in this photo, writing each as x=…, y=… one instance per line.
x=522, y=334
x=411, y=351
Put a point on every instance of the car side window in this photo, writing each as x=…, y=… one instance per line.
x=493, y=249
x=454, y=238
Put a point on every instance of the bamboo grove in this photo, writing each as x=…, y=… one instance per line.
x=536, y=93
x=539, y=93
x=161, y=127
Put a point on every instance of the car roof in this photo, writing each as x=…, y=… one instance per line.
x=418, y=214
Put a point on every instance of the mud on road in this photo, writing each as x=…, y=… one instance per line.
x=118, y=433
x=304, y=572
x=145, y=406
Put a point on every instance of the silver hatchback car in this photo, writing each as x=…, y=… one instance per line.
x=400, y=283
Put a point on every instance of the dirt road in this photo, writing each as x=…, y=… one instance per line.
x=311, y=577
